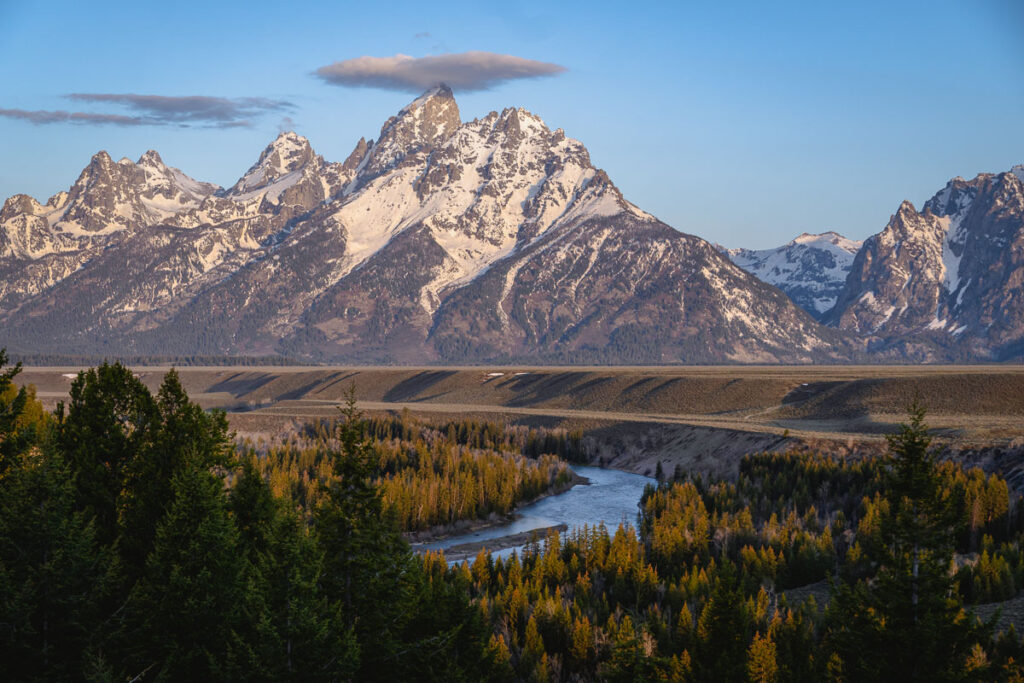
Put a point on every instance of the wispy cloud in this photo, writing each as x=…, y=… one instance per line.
x=466, y=71
x=158, y=110
x=58, y=116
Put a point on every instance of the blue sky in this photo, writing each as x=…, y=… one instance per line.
x=744, y=122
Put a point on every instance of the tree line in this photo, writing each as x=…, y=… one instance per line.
x=136, y=542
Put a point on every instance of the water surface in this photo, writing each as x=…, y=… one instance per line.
x=611, y=498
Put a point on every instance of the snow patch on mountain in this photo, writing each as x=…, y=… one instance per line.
x=811, y=268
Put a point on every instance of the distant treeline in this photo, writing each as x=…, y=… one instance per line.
x=63, y=360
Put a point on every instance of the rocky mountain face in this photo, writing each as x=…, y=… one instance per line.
x=811, y=269
x=945, y=283
x=494, y=239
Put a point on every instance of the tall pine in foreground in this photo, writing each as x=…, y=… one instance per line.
x=906, y=623
x=296, y=635
x=185, y=614
x=368, y=567
x=112, y=420
x=410, y=623
x=184, y=436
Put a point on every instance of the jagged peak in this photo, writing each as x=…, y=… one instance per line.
x=357, y=155
x=426, y=121
x=906, y=208
x=288, y=152
x=290, y=137
x=150, y=158
x=101, y=158
x=20, y=203
x=432, y=115
x=439, y=92
x=287, y=143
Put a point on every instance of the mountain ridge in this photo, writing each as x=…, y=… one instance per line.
x=811, y=268
x=488, y=240
x=442, y=240
x=944, y=282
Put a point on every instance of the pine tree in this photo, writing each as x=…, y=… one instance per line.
x=185, y=613
x=111, y=419
x=15, y=439
x=54, y=575
x=907, y=624
x=762, y=666
x=368, y=567
x=302, y=640
x=723, y=631
x=183, y=435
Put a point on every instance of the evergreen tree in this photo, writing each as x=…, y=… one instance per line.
x=111, y=419
x=907, y=624
x=15, y=438
x=762, y=665
x=368, y=567
x=54, y=575
x=445, y=638
x=723, y=631
x=183, y=435
x=185, y=613
x=294, y=634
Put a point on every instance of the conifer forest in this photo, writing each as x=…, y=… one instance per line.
x=140, y=541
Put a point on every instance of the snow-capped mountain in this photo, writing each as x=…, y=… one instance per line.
x=811, y=269
x=441, y=240
x=41, y=245
x=948, y=281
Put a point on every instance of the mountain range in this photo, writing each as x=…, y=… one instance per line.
x=483, y=241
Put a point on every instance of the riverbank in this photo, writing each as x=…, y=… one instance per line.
x=468, y=551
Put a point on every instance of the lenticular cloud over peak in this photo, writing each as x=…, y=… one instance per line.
x=465, y=71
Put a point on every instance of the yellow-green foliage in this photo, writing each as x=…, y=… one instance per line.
x=427, y=475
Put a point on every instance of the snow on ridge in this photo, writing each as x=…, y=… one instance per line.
x=811, y=268
x=271, y=191
x=190, y=185
x=422, y=99
x=951, y=239
x=504, y=199
x=830, y=240
x=287, y=154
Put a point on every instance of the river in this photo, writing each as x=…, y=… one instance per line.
x=611, y=497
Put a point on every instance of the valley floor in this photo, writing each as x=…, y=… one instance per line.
x=694, y=417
